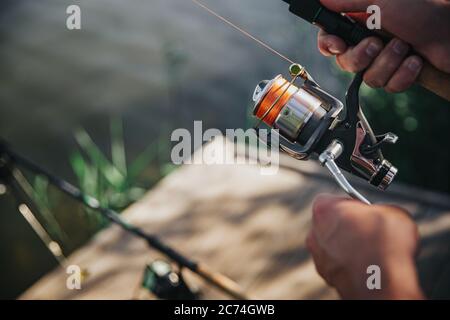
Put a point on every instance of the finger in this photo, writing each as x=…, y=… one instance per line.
x=310, y=242
x=358, y=58
x=325, y=265
x=406, y=75
x=316, y=251
x=330, y=211
x=386, y=63
x=401, y=213
x=347, y=5
x=318, y=255
x=324, y=202
x=330, y=45
x=325, y=218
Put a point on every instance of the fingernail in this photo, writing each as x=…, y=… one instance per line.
x=399, y=47
x=333, y=49
x=373, y=49
x=414, y=65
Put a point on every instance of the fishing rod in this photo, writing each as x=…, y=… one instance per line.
x=308, y=123
x=353, y=33
x=10, y=161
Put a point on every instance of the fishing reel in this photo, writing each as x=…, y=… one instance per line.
x=165, y=283
x=309, y=122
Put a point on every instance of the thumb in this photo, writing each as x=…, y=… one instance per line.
x=347, y=5
x=326, y=215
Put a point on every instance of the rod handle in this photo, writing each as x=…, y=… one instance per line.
x=435, y=81
x=222, y=282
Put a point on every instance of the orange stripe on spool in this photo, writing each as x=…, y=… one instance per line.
x=277, y=89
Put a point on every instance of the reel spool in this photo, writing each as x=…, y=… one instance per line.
x=297, y=113
x=309, y=121
x=301, y=114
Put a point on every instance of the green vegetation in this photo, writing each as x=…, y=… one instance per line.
x=112, y=181
x=421, y=120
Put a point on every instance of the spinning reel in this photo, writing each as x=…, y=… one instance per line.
x=310, y=122
x=165, y=283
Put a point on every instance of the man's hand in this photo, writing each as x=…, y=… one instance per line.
x=348, y=236
x=422, y=25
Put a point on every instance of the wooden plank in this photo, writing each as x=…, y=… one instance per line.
x=246, y=225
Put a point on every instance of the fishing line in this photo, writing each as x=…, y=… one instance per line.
x=8, y=173
x=245, y=33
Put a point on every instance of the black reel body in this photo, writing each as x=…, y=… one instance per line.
x=361, y=154
x=161, y=280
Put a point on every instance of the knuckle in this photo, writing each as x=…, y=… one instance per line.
x=393, y=88
x=372, y=80
x=320, y=208
x=370, y=84
x=392, y=64
x=332, y=274
x=341, y=63
x=357, y=64
x=377, y=82
x=359, y=61
x=444, y=65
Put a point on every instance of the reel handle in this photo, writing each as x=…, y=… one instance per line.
x=327, y=159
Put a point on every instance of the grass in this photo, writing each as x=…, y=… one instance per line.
x=113, y=181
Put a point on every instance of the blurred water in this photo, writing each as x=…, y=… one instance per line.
x=158, y=64
x=124, y=59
